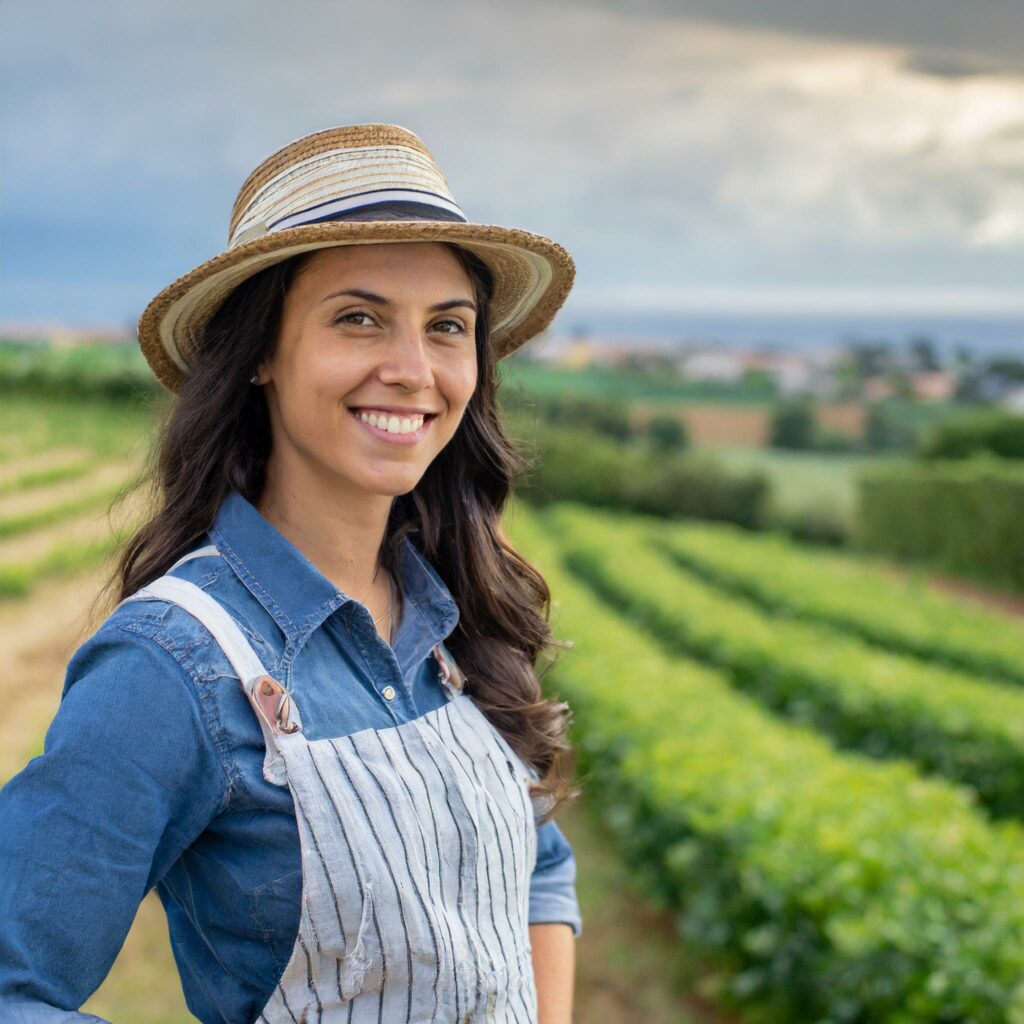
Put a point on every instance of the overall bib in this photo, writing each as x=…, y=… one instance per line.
x=418, y=843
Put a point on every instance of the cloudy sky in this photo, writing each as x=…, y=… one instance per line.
x=725, y=154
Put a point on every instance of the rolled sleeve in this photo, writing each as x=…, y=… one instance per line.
x=129, y=775
x=553, y=897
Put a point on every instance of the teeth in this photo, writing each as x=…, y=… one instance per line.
x=391, y=423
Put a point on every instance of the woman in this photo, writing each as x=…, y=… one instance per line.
x=313, y=721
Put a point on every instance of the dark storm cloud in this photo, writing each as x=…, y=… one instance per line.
x=984, y=28
x=671, y=147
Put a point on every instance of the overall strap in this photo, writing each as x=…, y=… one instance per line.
x=276, y=712
x=451, y=675
x=210, y=551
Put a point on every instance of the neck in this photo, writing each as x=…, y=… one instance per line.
x=339, y=532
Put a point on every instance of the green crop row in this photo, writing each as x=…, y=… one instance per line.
x=968, y=729
x=50, y=475
x=63, y=559
x=852, y=594
x=828, y=887
x=33, y=424
x=12, y=525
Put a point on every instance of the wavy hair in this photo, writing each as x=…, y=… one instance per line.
x=215, y=435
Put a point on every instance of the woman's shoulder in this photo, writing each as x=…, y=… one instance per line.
x=141, y=625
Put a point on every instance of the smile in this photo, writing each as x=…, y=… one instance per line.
x=391, y=428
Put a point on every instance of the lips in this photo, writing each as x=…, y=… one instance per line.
x=389, y=426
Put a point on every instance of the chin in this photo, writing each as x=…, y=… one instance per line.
x=397, y=485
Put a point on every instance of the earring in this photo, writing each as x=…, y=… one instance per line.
x=254, y=379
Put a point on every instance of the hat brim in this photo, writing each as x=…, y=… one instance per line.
x=533, y=276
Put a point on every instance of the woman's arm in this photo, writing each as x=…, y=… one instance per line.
x=128, y=776
x=555, y=923
x=554, y=969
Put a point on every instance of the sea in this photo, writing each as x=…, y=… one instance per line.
x=982, y=336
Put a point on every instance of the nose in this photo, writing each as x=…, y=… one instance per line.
x=407, y=360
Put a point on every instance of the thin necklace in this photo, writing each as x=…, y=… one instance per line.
x=390, y=608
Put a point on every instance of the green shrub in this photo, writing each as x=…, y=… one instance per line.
x=1000, y=433
x=829, y=439
x=819, y=522
x=885, y=432
x=577, y=465
x=962, y=517
x=826, y=887
x=608, y=417
x=793, y=425
x=667, y=433
x=113, y=372
x=853, y=594
x=885, y=705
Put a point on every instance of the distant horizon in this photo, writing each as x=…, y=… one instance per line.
x=985, y=335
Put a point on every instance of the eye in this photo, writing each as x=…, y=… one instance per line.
x=459, y=329
x=344, y=317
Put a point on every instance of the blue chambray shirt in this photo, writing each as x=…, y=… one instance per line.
x=152, y=775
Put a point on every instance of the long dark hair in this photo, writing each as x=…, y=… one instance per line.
x=216, y=436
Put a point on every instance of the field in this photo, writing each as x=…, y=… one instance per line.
x=802, y=480
x=804, y=772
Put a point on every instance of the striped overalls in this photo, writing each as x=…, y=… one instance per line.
x=418, y=842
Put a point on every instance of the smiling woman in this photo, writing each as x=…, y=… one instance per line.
x=313, y=719
x=350, y=371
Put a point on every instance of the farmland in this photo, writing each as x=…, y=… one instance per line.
x=802, y=773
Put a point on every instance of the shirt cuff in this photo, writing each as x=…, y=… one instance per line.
x=553, y=898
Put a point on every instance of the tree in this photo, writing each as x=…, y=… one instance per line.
x=793, y=426
x=667, y=433
x=922, y=354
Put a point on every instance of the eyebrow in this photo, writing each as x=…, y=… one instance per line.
x=366, y=296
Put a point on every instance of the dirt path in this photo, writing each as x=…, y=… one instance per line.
x=88, y=527
x=53, y=458
x=37, y=500
x=630, y=964
x=38, y=635
x=987, y=598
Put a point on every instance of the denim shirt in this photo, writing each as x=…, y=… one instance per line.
x=152, y=775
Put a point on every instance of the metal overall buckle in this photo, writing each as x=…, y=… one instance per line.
x=450, y=671
x=274, y=705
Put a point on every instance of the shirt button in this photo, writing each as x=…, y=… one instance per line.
x=389, y=693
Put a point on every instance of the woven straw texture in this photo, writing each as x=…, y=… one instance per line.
x=533, y=275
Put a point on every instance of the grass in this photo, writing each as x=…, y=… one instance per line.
x=801, y=479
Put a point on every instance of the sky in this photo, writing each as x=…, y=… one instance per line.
x=733, y=155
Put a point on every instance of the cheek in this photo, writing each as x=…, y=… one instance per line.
x=462, y=381
x=307, y=401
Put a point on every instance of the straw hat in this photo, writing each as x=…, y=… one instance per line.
x=328, y=189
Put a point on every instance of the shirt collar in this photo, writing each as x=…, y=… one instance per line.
x=299, y=597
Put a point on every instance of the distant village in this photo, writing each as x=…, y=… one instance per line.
x=865, y=371
x=861, y=371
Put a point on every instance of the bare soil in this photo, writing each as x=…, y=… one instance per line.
x=1011, y=605
x=88, y=527
x=52, y=458
x=38, y=499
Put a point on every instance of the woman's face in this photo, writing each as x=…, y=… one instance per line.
x=374, y=367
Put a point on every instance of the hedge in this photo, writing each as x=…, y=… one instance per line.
x=962, y=517
x=829, y=888
x=115, y=372
x=966, y=728
x=996, y=431
x=852, y=594
x=574, y=464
